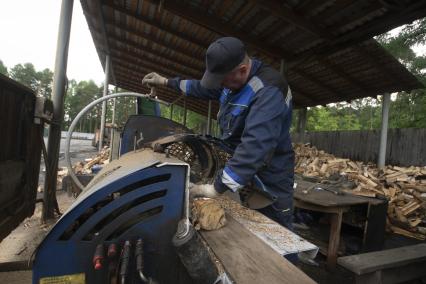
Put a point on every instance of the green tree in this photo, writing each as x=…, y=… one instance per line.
x=25, y=74
x=3, y=69
x=45, y=79
x=78, y=96
x=409, y=109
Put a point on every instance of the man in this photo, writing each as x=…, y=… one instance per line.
x=254, y=118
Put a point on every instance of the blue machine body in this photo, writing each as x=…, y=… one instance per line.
x=144, y=129
x=132, y=197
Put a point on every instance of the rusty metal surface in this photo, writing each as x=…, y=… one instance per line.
x=20, y=154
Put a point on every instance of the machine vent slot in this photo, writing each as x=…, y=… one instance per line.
x=133, y=221
x=145, y=182
x=69, y=232
x=120, y=210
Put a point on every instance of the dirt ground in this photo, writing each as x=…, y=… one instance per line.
x=16, y=277
x=21, y=243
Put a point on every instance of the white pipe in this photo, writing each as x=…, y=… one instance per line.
x=77, y=118
x=384, y=131
x=103, y=114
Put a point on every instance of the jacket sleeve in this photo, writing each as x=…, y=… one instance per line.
x=193, y=88
x=264, y=125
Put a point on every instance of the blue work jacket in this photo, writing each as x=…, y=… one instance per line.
x=255, y=122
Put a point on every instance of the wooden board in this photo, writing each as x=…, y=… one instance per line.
x=373, y=261
x=248, y=260
x=279, y=238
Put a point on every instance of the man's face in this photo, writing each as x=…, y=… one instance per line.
x=237, y=78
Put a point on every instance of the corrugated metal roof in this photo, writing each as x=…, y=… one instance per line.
x=326, y=45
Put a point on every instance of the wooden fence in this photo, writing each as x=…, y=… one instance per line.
x=405, y=147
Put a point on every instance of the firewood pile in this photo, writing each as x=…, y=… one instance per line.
x=404, y=187
x=85, y=167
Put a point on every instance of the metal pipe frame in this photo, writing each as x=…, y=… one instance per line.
x=58, y=94
x=106, y=84
x=384, y=131
x=77, y=118
x=111, y=142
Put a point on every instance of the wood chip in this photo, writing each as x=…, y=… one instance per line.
x=207, y=214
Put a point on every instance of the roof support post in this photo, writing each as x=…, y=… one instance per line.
x=384, y=130
x=301, y=123
x=184, y=111
x=209, y=118
x=106, y=83
x=111, y=142
x=50, y=203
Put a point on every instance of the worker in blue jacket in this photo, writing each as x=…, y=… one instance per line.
x=254, y=118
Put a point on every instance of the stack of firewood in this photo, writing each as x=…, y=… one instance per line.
x=85, y=167
x=404, y=187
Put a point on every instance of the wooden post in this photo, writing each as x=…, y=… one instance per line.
x=334, y=239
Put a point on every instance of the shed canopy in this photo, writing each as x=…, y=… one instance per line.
x=326, y=46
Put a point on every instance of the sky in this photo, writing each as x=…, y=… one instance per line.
x=29, y=31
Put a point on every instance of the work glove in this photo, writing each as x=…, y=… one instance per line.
x=154, y=79
x=202, y=190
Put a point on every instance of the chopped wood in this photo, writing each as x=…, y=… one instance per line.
x=86, y=166
x=392, y=191
x=410, y=208
x=207, y=214
x=360, y=193
x=404, y=187
x=406, y=233
x=415, y=222
x=93, y=162
x=401, y=217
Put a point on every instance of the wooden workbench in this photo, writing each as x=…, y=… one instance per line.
x=249, y=260
x=336, y=205
x=250, y=247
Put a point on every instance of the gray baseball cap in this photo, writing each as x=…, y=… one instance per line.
x=222, y=56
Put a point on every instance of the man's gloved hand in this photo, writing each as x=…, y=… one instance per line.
x=154, y=79
x=202, y=190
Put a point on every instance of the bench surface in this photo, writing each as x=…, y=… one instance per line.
x=248, y=260
x=373, y=261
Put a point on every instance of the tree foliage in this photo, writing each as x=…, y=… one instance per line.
x=39, y=81
x=3, y=69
